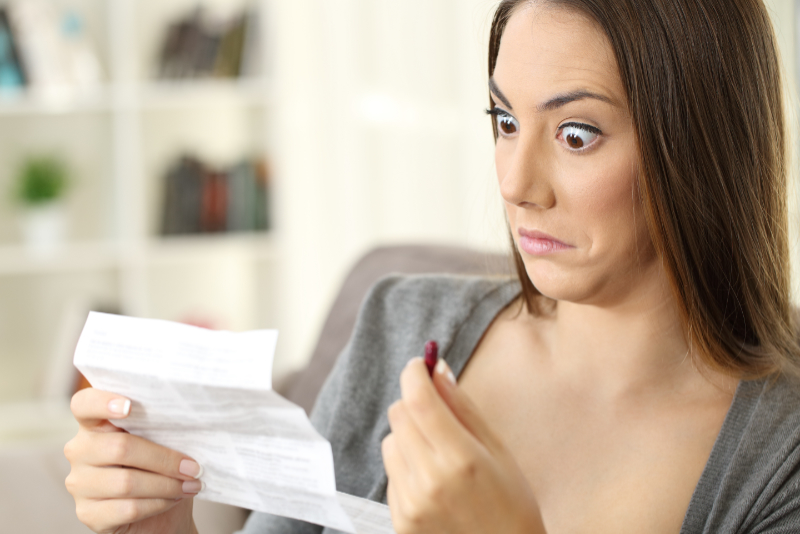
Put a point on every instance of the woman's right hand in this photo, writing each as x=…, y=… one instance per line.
x=123, y=483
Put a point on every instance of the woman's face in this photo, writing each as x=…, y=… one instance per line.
x=567, y=159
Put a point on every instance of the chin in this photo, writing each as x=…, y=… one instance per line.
x=558, y=284
x=558, y=292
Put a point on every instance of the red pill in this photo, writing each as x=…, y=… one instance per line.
x=431, y=355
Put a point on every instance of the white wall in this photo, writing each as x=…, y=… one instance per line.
x=383, y=139
x=784, y=15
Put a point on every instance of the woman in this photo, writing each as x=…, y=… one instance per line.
x=640, y=375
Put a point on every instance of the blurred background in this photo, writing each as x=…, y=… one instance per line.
x=224, y=164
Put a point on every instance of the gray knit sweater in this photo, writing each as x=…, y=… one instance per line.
x=751, y=482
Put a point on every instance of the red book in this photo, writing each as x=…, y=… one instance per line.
x=214, y=210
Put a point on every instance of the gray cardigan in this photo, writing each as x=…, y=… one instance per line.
x=751, y=482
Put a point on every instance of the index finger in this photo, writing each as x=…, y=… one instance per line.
x=93, y=407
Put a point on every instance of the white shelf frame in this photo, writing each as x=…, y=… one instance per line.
x=131, y=253
x=131, y=97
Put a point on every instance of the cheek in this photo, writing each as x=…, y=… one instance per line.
x=503, y=156
x=607, y=199
x=608, y=208
x=503, y=152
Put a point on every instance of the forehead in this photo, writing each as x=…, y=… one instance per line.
x=546, y=50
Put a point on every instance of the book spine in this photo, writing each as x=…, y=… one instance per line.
x=215, y=202
x=12, y=71
x=262, y=180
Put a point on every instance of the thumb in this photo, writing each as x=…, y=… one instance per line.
x=462, y=407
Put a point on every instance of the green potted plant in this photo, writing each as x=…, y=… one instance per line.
x=40, y=186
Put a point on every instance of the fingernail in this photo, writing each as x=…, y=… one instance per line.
x=190, y=468
x=119, y=406
x=443, y=369
x=193, y=486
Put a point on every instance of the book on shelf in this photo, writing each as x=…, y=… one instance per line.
x=182, y=197
x=263, y=200
x=12, y=73
x=51, y=48
x=213, y=212
x=201, y=199
x=198, y=47
x=245, y=198
x=228, y=60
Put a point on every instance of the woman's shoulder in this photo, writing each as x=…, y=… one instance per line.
x=765, y=419
x=753, y=476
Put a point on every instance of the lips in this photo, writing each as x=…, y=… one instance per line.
x=538, y=243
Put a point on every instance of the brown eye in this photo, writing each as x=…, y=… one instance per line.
x=507, y=125
x=574, y=141
x=577, y=136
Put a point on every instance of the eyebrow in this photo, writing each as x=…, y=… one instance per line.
x=499, y=94
x=555, y=102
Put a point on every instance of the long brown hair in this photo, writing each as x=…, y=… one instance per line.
x=703, y=84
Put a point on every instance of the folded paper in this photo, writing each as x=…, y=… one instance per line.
x=208, y=394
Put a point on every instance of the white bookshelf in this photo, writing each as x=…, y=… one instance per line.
x=119, y=141
x=15, y=260
x=172, y=95
x=26, y=105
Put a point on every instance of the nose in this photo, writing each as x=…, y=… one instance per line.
x=523, y=172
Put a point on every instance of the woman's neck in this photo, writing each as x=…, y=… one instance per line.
x=633, y=348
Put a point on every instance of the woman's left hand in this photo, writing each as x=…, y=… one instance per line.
x=448, y=473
